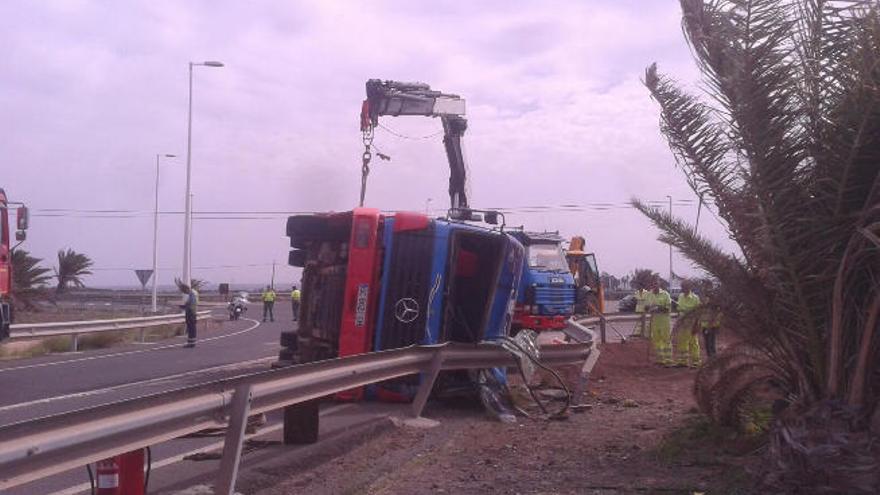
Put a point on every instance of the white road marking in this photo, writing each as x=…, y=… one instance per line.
x=83, y=487
x=127, y=353
x=89, y=393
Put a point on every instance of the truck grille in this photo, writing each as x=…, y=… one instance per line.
x=555, y=299
x=409, y=276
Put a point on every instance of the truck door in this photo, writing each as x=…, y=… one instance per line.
x=474, y=266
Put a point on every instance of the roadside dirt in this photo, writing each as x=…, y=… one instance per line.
x=640, y=433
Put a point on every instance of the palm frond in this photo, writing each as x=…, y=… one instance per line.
x=26, y=272
x=790, y=153
x=72, y=267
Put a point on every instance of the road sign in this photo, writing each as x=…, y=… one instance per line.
x=144, y=276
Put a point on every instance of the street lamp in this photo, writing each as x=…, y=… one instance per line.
x=156, y=229
x=187, y=220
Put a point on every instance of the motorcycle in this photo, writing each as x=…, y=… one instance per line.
x=236, y=308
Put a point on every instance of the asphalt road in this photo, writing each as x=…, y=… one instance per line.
x=185, y=462
x=54, y=384
x=64, y=382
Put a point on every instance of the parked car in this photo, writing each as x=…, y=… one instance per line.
x=627, y=304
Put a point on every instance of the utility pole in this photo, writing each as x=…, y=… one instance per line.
x=273, y=275
x=187, y=216
x=670, y=246
x=699, y=209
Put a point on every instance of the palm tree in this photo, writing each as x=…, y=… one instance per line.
x=195, y=283
x=643, y=278
x=26, y=274
x=72, y=266
x=28, y=278
x=789, y=155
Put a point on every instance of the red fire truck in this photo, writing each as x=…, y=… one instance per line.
x=6, y=258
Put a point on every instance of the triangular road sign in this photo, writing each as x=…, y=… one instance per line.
x=144, y=276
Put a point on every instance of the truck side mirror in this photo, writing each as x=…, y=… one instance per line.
x=20, y=235
x=23, y=217
x=491, y=217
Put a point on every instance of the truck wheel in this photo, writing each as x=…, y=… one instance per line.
x=288, y=339
x=301, y=423
x=285, y=354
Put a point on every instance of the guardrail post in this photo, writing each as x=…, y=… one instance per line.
x=602, y=328
x=74, y=343
x=644, y=323
x=583, y=378
x=428, y=379
x=238, y=414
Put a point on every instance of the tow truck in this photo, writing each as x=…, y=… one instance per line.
x=374, y=281
x=6, y=313
x=547, y=292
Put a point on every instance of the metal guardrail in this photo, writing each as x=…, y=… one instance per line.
x=643, y=318
x=75, y=328
x=42, y=447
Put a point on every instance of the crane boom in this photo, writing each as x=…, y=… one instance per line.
x=397, y=98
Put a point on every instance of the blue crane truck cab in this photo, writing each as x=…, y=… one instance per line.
x=547, y=291
x=373, y=282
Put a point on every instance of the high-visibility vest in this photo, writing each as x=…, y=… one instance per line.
x=641, y=295
x=661, y=299
x=711, y=318
x=269, y=296
x=296, y=295
x=688, y=302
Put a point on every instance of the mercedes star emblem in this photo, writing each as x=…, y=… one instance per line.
x=406, y=310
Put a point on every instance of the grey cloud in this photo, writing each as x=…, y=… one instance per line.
x=91, y=91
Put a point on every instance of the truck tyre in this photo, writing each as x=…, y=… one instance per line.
x=285, y=354
x=288, y=339
x=301, y=423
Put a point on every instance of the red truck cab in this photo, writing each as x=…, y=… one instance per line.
x=5, y=269
x=6, y=260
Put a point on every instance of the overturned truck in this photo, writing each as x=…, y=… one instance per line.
x=373, y=282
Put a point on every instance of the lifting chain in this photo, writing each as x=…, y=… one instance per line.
x=367, y=137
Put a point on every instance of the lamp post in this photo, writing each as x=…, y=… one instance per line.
x=187, y=220
x=156, y=230
x=670, y=246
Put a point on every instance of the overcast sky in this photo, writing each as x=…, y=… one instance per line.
x=91, y=91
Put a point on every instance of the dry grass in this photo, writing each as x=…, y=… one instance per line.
x=102, y=340
x=72, y=314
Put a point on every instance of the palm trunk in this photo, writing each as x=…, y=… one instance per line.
x=836, y=331
x=857, y=391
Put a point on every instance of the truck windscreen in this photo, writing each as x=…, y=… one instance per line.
x=547, y=257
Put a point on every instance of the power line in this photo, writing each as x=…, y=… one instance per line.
x=165, y=269
x=269, y=214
